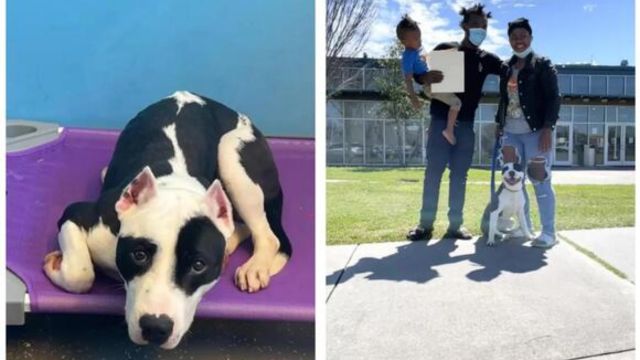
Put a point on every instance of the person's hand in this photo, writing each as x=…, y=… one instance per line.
x=499, y=132
x=434, y=77
x=545, y=140
x=417, y=104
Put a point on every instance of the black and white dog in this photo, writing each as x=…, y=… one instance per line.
x=508, y=202
x=163, y=222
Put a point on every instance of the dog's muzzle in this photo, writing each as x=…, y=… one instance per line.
x=511, y=180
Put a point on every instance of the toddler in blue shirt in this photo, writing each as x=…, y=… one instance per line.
x=414, y=68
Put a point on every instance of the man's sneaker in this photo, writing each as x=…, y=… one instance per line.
x=419, y=233
x=460, y=233
x=544, y=241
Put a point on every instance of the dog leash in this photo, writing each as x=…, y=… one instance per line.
x=494, y=160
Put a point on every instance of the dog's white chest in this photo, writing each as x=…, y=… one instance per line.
x=511, y=202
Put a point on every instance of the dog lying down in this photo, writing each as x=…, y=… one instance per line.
x=188, y=181
x=507, y=203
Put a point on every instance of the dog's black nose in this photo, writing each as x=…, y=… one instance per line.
x=156, y=329
x=512, y=173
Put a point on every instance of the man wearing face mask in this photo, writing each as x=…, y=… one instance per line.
x=527, y=113
x=440, y=153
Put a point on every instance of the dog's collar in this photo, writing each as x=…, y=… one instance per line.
x=514, y=191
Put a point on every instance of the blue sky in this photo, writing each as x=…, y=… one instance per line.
x=567, y=31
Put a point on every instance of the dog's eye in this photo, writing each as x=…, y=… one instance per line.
x=198, y=266
x=140, y=256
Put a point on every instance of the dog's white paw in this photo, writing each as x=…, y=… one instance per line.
x=76, y=280
x=254, y=274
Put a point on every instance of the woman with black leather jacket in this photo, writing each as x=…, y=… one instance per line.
x=527, y=114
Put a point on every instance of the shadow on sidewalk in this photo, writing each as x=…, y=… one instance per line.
x=411, y=262
x=415, y=261
x=510, y=256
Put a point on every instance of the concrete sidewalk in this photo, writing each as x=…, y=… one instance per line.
x=462, y=300
x=615, y=246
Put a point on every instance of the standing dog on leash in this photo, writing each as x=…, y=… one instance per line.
x=507, y=202
x=163, y=222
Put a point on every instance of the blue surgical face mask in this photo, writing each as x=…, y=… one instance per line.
x=477, y=35
x=523, y=54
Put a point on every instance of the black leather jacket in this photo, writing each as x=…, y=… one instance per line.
x=538, y=88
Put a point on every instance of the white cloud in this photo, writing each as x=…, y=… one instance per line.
x=589, y=7
x=435, y=27
x=513, y=3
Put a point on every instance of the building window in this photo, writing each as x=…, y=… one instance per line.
x=488, y=112
x=565, y=113
x=580, y=114
x=596, y=114
x=335, y=141
x=374, y=141
x=353, y=109
x=351, y=79
x=393, y=140
x=334, y=109
x=564, y=84
x=580, y=84
x=487, y=140
x=630, y=85
x=596, y=140
x=372, y=110
x=370, y=76
x=491, y=84
x=414, y=150
x=354, y=140
x=476, y=147
x=612, y=115
x=626, y=114
x=598, y=85
x=616, y=85
x=580, y=137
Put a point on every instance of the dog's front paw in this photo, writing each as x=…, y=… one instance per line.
x=77, y=280
x=256, y=273
x=491, y=241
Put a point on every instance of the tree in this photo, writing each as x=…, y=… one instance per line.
x=397, y=105
x=348, y=25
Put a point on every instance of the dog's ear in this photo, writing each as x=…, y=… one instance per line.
x=219, y=209
x=138, y=192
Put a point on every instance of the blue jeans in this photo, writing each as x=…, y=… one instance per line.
x=440, y=154
x=526, y=146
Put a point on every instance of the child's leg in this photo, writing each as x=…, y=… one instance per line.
x=454, y=108
x=448, y=133
x=451, y=119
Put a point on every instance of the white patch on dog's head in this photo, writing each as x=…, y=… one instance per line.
x=185, y=97
x=170, y=252
x=512, y=176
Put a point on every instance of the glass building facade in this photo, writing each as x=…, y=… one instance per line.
x=596, y=126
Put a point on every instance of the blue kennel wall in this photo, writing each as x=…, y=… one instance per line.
x=97, y=63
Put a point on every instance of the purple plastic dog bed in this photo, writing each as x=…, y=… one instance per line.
x=43, y=180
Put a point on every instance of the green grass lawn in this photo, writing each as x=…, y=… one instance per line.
x=366, y=205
